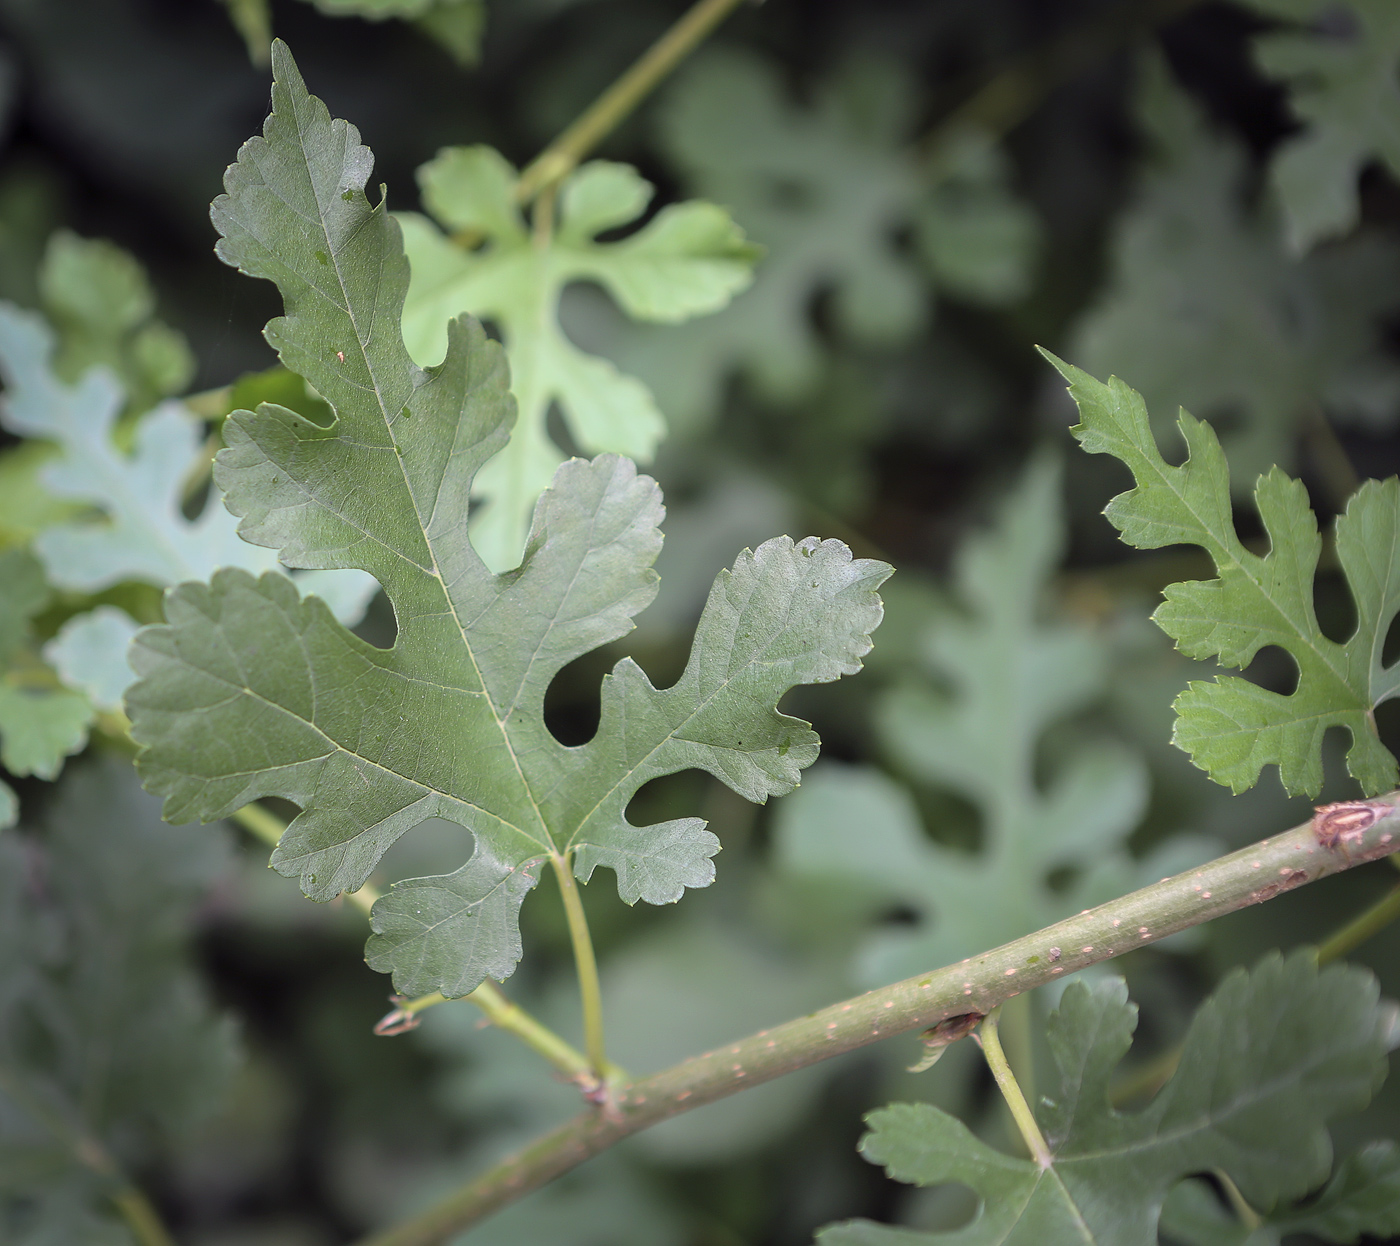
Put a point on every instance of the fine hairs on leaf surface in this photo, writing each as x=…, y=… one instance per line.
x=109, y=1049
x=687, y=261
x=1207, y=308
x=1341, y=67
x=1272, y=1055
x=1233, y=728
x=250, y=691
x=140, y=532
x=1011, y=677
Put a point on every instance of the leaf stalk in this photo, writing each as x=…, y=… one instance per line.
x=499, y=1010
x=1010, y=1088
x=586, y=963
x=615, y=104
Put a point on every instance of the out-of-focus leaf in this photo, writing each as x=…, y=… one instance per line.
x=90, y=653
x=26, y=507
x=1233, y=728
x=1271, y=1056
x=250, y=691
x=1363, y=1197
x=1207, y=309
x=141, y=533
x=1343, y=73
x=690, y=989
x=458, y=25
x=824, y=189
x=41, y=722
x=688, y=261
x=107, y=1042
x=253, y=20
x=98, y=298
x=980, y=241
x=1006, y=678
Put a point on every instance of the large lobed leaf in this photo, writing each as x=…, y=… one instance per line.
x=1270, y=1057
x=250, y=691
x=1010, y=677
x=687, y=261
x=1233, y=728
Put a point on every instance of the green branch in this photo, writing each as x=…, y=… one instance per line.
x=611, y=108
x=976, y=985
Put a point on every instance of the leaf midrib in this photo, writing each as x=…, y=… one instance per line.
x=435, y=571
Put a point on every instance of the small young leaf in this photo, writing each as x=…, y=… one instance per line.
x=250, y=691
x=1231, y=727
x=1206, y=308
x=1270, y=1057
x=688, y=261
x=1011, y=677
x=1344, y=77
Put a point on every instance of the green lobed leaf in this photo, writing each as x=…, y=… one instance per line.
x=1341, y=68
x=1206, y=307
x=1270, y=1057
x=1010, y=676
x=686, y=261
x=1233, y=728
x=250, y=691
x=106, y=1038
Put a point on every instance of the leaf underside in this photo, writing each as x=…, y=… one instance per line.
x=250, y=691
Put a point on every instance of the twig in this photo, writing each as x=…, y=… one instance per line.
x=979, y=984
x=559, y=159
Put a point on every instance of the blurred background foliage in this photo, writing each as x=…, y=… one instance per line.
x=1200, y=197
